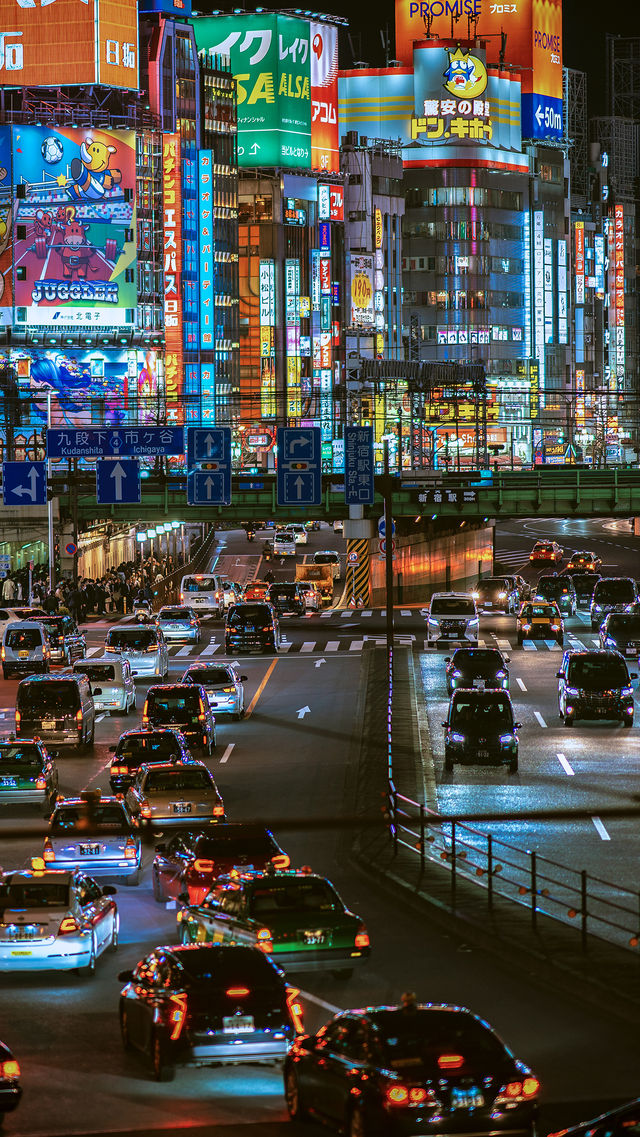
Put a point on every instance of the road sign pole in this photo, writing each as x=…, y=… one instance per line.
x=388, y=555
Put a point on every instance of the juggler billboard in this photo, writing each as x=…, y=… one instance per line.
x=57, y=42
x=534, y=44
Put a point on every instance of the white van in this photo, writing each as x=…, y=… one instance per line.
x=204, y=592
x=284, y=543
x=25, y=649
x=112, y=683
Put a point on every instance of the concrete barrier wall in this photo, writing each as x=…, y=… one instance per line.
x=429, y=563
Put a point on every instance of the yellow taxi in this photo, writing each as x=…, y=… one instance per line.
x=539, y=619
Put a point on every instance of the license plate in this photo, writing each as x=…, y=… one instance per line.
x=488, y=603
x=314, y=937
x=182, y=807
x=175, y=626
x=48, y=724
x=483, y=754
x=22, y=953
x=238, y=1024
x=23, y=655
x=631, y=651
x=467, y=1098
x=89, y=850
x=8, y=782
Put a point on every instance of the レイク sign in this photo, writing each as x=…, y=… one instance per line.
x=172, y=245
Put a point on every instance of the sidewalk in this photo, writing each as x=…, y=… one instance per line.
x=604, y=974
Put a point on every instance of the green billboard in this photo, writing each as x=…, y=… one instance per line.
x=271, y=61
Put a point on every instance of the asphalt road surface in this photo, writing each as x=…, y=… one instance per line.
x=281, y=763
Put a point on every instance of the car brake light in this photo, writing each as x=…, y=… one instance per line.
x=362, y=937
x=397, y=1095
x=79, y=719
x=450, y=1061
x=48, y=854
x=116, y=770
x=178, y=1014
x=218, y=811
x=68, y=926
x=201, y=714
x=145, y=712
x=41, y=783
x=417, y=1095
x=18, y=717
x=9, y=1069
x=181, y=597
x=3, y=653
x=295, y=1009
x=203, y=866
x=518, y=1091
x=130, y=848
x=228, y=690
x=145, y=811
x=265, y=939
x=281, y=861
x=237, y=992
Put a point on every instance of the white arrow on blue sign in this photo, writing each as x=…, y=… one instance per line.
x=299, y=455
x=382, y=528
x=118, y=481
x=209, y=486
x=24, y=483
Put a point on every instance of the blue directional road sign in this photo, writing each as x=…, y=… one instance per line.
x=118, y=482
x=208, y=443
x=209, y=484
x=24, y=483
x=128, y=441
x=299, y=465
x=358, y=465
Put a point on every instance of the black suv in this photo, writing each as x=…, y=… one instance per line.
x=144, y=748
x=251, y=627
x=560, y=589
x=186, y=706
x=287, y=598
x=612, y=594
x=494, y=593
x=584, y=584
x=66, y=642
x=621, y=632
x=469, y=665
x=595, y=685
x=480, y=729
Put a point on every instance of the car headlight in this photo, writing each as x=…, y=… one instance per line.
x=474, y=623
x=555, y=627
x=597, y=607
x=502, y=596
x=476, y=595
x=610, y=642
x=501, y=675
x=572, y=692
x=454, y=736
x=627, y=691
x=434, y=623
x=456, y=674
x=507, y=739
x=526, y=627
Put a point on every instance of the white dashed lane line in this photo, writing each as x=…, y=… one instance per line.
x=540, y=719
x=600, y=829
x=520, y=683
x=565, y=765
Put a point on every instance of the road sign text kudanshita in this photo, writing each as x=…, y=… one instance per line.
x=97, y=442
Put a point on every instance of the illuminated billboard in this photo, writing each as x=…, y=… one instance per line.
x=286, y=72
x=74, y=249
x=6, y=229
x=362, y=307
x=172, y=247
x=533, y=30
x=69, y=41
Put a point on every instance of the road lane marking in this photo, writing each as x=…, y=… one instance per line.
x=185, y=650
x=405, y=612
x=93, y=651
x=349, y=612
x=356, y=645
x=210, y=650
x=321, y=1003
x=332, y=645
x=600, y=829
x=308, y=645
x=540, y=718
x=366, y=612
x=260, y=689
x=227, y=754
x=529, y=645
x=504, y=645
x=520, y=684
x=325, y=615
x=565, y=765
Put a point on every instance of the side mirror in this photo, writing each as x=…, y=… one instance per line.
x=125, y=976
x=244, y=678
x=517, y=725
x=109, y=890
x=447, y=659
x=558, y=675
x=97, y=691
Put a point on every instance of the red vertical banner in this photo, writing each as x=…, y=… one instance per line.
x=325, y=142
x=172, y=267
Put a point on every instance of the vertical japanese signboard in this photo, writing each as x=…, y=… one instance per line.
x=362, y=308
x=619, y=289
x=325, y=142
x=267, y=285
x=292, y=322
x=358, y=465
x=538, y=288
x=563, y=328
x=205, y=237
x=172, y=266
x=579, y=260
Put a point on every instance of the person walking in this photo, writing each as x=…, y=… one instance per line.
x=8, y=589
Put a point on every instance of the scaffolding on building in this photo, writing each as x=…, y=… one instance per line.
x=620, y=139
x=576, y=128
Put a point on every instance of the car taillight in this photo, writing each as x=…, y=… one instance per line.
x=3, y=653
x=281, y=861
x=18, y=717
x=450, y=1061
x=518, y=1091
x=237, y=992
x=409, y=1095
x=68, y=926
x=181, y=597
x=203, y=866
x=218, y=811
x=41, y=783
x=362, y=937
x=295, y=1009
x=48, y=854
x=228, y=690
x=265, y=939
x=130, y=850
x=267, y=628
x=79, y=720
x=116, y=770
x=178, y=1014
x=9, y=1069
x=145, y=712
x=145, y=811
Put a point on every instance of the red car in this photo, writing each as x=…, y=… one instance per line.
x=545, y=552
x=191, y=862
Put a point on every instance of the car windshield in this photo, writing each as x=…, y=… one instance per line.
x=618, y=591
x=250, y=615
x=484, y=658
x=34, y=894
x=554, y=587
x=483, y=714
x=294, y=895
x=51, y=696
x=183, y=706
x=597, y=672
x=325, y=558
x=209, y=676
x=96, y=672
x=494, y=582
x=19, y=759
x=133, y=639
x=229, y=847
x=421, y=1037
x=584, y=579
x=24, y=639
x=174, y=614
x=111, y=817
x=452, y=606
x=538, y=611
x=147, y=747
x=220, y=967
x=199, y=584
x=629, y=625
x=285, y=590
x=178, y=779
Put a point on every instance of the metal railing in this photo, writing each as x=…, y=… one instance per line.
x=545, y=887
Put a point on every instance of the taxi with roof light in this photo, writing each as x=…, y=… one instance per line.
x=192, y=861
x=55, y=919
x=28, y=774
x=10, y=1088
x=224, y=686
x=295, y=916
x=417, y=1068
x=168, y=795
x=206, y=1005
x=97, y=834
x=137, y=748
x=539, y=619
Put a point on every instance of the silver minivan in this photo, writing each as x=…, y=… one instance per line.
x=144, y=646
x=25, y=649
x=112, y=683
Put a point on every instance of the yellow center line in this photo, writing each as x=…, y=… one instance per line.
x=260, y=689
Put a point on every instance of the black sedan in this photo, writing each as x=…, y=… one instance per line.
x=621, y=632
x=206, y=1004
x=486, y=666
x=145, y=748
x=480, y=728
x=10, y=1088
x=409, y=1070
x=495, y=594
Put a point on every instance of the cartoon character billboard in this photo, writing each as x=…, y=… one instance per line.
x=75, y=252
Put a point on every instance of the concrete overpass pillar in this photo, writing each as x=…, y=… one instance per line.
x=358, y=532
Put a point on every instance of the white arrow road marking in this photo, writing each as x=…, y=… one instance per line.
x=304, y=711
x=600, y=829
x=227, y=754
x=319, y=662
